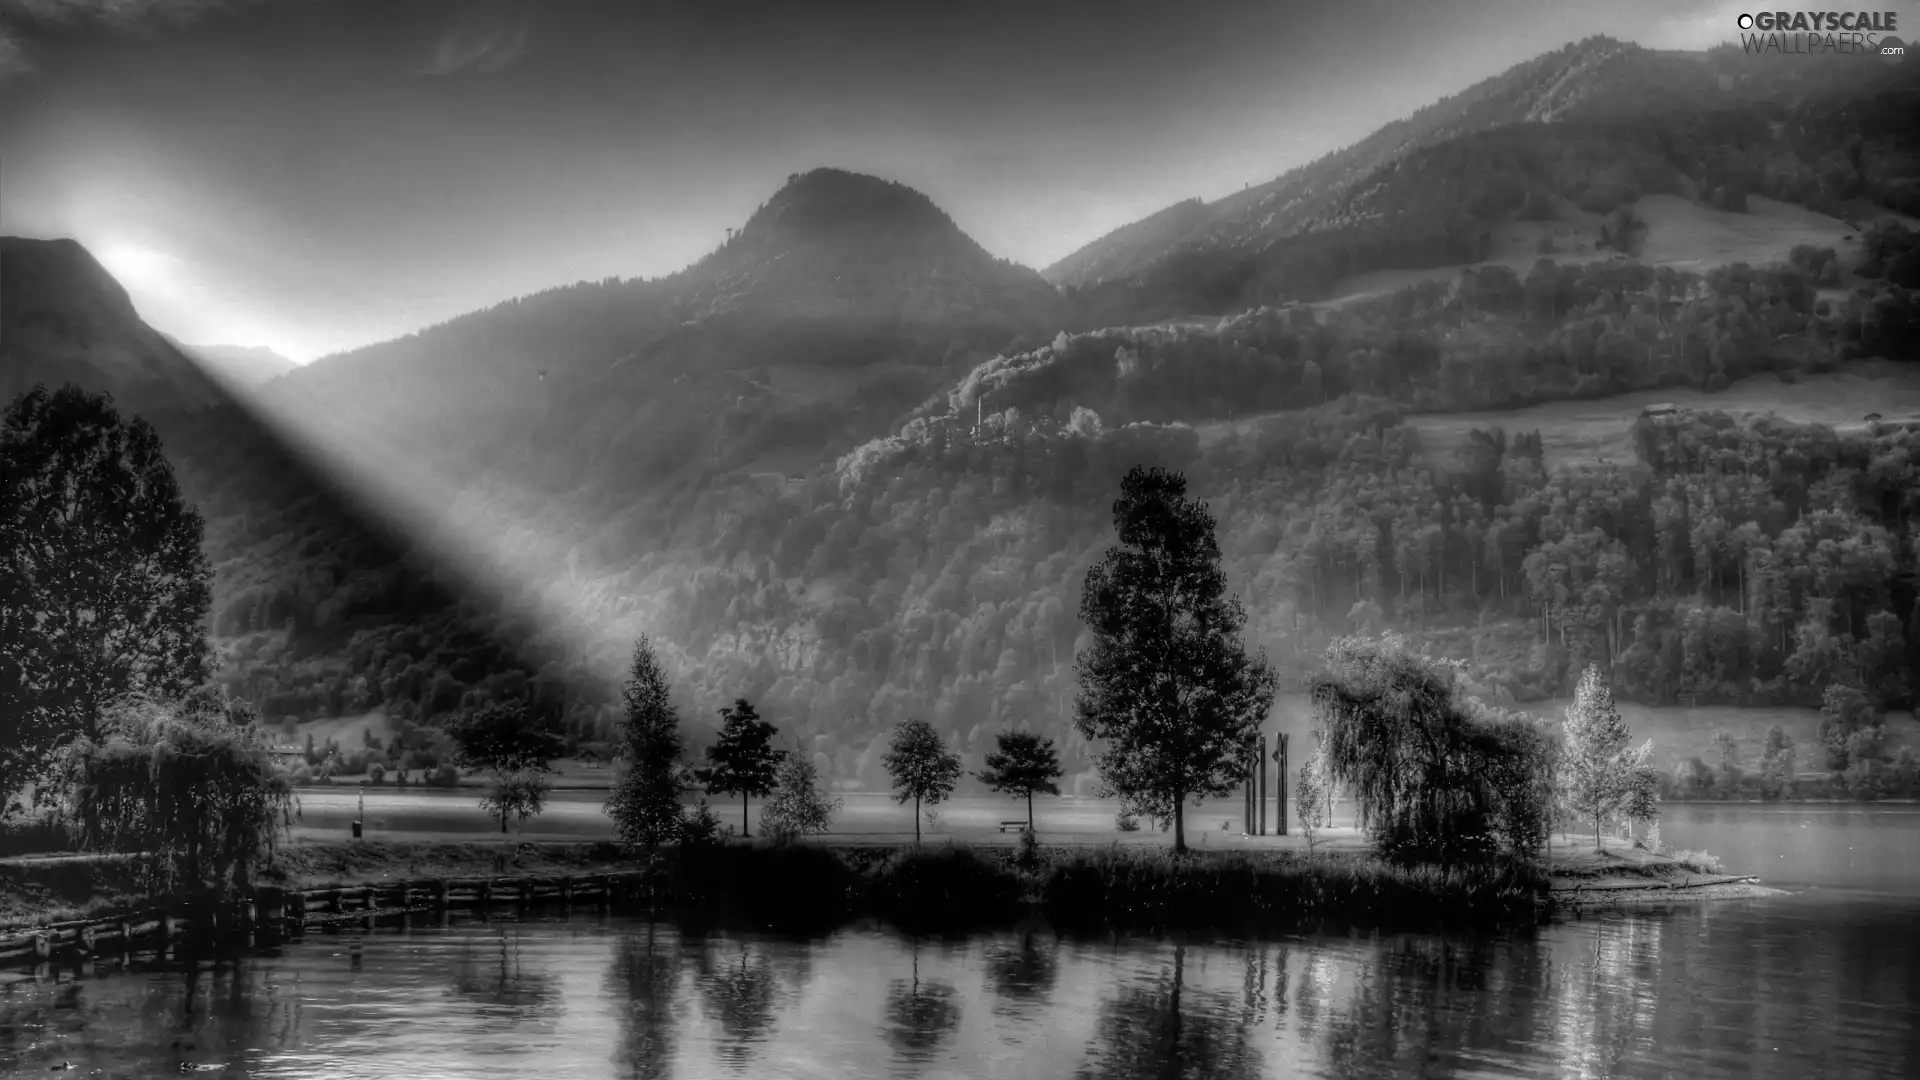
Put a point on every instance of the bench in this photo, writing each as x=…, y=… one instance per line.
x=1014, y=826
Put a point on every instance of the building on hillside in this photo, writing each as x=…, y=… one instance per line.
x=1662, y=409
x=288, y=756
x=1872, y=418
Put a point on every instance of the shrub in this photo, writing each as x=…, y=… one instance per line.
x=947, y=887
x=1697, y=861
x=33, y=837
x=1126, y=822
x=376, y=773
x=444, y=776
x=1158, y=890
x=817, y=886
x=700, y=826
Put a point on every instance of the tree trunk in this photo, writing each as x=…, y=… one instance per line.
x=743, y=816
x=1596, y=833
x=1179, y=822
x=1029, y=811
x=503, y=822
x=916, y=821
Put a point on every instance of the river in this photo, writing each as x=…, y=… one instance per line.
x=1821, y=982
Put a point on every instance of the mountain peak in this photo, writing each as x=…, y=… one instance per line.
x=835, y=201
x=60, y=271
x=859, y=250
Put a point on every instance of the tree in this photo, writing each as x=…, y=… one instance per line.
x=502, y=739
x=1729, y=757
x=922, y=768
x=645, y=804
x=1166, y=686
x=1310, y=796
x=103, y=586
x=1023, y=764
x=1438, y=775
x=1850, y=726
x=743, y=761
x=178, y=780
x=797, y=807
x=1601, y=777
x=1777, y=761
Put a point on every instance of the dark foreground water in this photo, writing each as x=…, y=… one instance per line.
x=1821, y=983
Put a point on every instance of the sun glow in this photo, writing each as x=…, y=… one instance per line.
x=140, y=269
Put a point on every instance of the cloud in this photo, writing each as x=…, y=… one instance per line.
x=22, y=20
x=488, y=37
x=13, y=58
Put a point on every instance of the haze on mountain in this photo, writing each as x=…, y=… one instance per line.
x=245, y=365
x=851, y=466
x=317, y=177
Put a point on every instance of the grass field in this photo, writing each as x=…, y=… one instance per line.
x=865, y=818
x=1681, y=234
x=1601, y=429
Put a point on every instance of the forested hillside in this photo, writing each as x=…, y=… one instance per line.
x=305, y=570
x=937, y=571
x=1597, y=125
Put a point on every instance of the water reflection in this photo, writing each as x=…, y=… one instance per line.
x=738, y=990
x=1022, y=973
x=643, y=983
x=1147, y=1030
x=920, y=1015
x=1786, y=988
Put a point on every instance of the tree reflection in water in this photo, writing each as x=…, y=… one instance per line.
x=1022, y=975
x=738, y=989
x=178, y=1013
x=1158, y=1028
x=1420, y=1005
x=493, y=976
x=920, y=1015
x=644, y=982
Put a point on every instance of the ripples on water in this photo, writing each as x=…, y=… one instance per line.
x=1820, y=984
x=1789, y=987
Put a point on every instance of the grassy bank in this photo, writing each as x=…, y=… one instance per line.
x=936, y=888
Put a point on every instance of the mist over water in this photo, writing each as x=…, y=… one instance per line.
x=1821, y=982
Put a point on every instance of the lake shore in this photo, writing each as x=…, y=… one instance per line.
x=945, y=881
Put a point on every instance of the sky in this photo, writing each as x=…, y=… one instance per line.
x=316, y=175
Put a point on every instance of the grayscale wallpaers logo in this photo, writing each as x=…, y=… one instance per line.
x=1813, y=33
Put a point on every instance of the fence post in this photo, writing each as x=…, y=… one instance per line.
x=1262, y=761
x=1280, y=758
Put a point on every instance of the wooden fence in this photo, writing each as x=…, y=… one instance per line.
x=275, y=912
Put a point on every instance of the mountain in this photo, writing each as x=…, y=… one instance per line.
x=810, y=499
x=842, y=302
x=1592, y=126
x=309, y=571
x=63, y=319
x=246, y=366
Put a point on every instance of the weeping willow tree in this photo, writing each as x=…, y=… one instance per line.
x=183, y=784
x=1437, y=775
